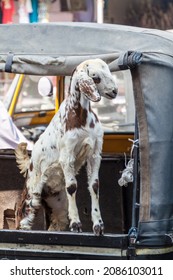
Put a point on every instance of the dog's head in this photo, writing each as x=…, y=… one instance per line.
x=95, y=80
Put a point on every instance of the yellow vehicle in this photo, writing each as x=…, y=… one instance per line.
x=32, y=112
x=138, y=214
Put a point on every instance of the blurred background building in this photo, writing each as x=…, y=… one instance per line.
x=143, y=13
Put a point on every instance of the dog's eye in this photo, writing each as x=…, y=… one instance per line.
x=96, y=80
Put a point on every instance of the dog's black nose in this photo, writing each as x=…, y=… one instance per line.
x=115, y=91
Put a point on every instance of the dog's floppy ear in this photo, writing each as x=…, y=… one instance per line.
x=88, y=87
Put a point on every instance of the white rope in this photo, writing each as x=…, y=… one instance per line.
x=127, y=173
x=135, y=145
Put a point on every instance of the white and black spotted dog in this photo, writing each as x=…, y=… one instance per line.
x=74, y=137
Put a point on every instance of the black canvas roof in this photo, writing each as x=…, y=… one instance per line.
x=56, y=48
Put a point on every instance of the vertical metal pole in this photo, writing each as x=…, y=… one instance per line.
x=131, y=252
x=100, y=11
x=135, y=201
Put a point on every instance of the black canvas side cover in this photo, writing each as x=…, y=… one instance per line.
x=153, y=84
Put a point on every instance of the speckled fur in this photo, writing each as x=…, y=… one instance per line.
x=74, y=137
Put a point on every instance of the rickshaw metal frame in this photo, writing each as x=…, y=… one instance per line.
x=148, y=54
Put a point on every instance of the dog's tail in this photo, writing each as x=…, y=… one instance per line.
x=22, y=158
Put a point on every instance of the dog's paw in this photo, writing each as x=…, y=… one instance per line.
x=98, y=229
x=76, y=227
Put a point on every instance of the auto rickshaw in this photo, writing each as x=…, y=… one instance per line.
x=138, y=213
